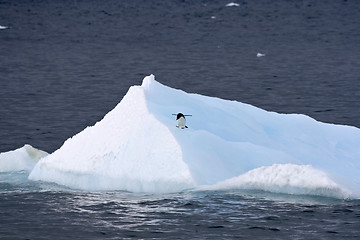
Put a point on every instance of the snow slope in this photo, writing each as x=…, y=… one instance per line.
x=128, y=150
x=228, y=144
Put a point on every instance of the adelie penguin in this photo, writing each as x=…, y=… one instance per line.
x=181, y=120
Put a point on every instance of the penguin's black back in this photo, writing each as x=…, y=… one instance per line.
x=179, y=115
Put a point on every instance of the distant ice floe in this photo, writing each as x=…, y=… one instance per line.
x=3, y=27
x=232, y=4
x=260, y=54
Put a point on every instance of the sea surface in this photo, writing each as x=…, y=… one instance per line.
x=65, y=64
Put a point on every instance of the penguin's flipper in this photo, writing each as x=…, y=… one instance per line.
x=186, y=126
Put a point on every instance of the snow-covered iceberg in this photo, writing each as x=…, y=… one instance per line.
x=21, y=159
x=137, y=147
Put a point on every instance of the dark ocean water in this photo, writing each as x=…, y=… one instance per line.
x=65, y=64
x=45, y=211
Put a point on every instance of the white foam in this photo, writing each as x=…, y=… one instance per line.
x=3, y=27
x=21, y=159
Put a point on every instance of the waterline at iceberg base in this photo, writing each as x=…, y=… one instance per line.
x=137, y=147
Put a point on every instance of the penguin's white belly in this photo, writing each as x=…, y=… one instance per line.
x=181, y=122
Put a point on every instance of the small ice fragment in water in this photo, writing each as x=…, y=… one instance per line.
x=232, y=4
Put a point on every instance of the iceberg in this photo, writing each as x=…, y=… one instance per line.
x=137, y=147
x=21, y=159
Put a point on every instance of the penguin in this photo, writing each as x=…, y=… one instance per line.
x=181, y=121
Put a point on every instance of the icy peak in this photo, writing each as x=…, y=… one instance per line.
x=147, y=81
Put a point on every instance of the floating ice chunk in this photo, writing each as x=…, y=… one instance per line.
x=3, y=27
x=232, y=4
x=21, y=159
x=260, y=54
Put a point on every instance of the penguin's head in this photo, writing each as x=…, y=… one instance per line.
x=179, y=115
